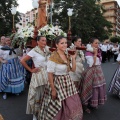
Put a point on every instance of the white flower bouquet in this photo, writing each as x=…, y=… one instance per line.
x=25, y=35
x=51, y=32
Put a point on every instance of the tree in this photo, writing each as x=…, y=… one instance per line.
x=115, y=39
x=6, y=17
x=87, y=20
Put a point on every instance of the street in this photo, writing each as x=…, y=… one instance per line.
x=14, y=108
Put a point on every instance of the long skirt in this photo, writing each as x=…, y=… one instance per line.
x=93, y=88
x=67, y=105
x=12, y=76
x=36, y=90
x=77, y=75
x=114, y=86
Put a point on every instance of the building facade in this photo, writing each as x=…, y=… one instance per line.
x=26, y=18
x=112, y=14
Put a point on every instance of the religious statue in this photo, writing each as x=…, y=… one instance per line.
x=42, y=13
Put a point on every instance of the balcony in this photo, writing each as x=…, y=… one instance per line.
x=118, y=29
x=110, y=8
x=110, y=15
x=118, y=20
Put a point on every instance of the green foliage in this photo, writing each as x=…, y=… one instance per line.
x=87, y=20
x=6, y=17
x=115, y=39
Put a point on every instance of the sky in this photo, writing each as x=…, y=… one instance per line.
x=26, y=5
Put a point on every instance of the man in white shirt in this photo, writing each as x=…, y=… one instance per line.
x=104, y=52
x=115, y=50
x=108, y=51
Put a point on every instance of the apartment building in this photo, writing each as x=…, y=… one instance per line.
x=112, y=14
x=26, y=18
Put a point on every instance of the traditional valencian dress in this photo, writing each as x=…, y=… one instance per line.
x=12, y=74
x=76, y=76
x=114, y=86
x=67, y=105
x=94, y=86
x=38, y=80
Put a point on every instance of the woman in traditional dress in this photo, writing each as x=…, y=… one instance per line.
x=76, y=76
x=93, y=89
x=114, y=87
x=61, y=100
x=12, y=74
x=39, y=75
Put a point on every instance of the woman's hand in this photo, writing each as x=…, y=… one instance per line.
x=54, y=94
x=35, y=70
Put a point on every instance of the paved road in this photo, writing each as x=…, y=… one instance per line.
x=14, y=107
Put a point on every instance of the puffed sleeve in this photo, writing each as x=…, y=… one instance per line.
x=31, y=53
x=89, y=48
x=51, y=66
x=90, y=60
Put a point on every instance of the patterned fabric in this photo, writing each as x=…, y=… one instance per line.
x=114, y=86
x=36, y=90
x=65, y=88
x=76, y=76
x=93, y=78
x=38, y=50
x=91, y=54
x=71, y=109
x=55, y=57
x=12, y=76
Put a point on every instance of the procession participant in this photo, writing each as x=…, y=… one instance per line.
x=104, y=52
x=2, y=41
x=11, y=71
x=76, y=76
x=39, y=75
x=115, y=51
x=61, y=100
x=114, y=86
x=93, y=88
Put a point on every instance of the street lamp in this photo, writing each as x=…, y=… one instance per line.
x=13, y=11
x=70, y=12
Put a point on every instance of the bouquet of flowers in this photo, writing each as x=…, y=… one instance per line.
x=23, y=35
x=51, y=32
